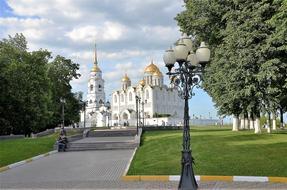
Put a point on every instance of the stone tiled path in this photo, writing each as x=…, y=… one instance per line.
x=98, y=170
x=118, y=185
x=68, y=167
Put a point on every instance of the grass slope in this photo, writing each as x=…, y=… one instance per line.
x=217, y=151
x=15, y=150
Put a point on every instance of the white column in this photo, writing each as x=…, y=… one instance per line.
x=235, y=123
x=257, y=126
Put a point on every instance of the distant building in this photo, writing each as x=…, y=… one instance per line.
x=160, y=104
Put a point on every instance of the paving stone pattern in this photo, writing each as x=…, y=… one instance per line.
x=98, y=170
x=68, y=167
x=145, y=185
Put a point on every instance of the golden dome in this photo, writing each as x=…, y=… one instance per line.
x=157, y=73
x=151, y=68
x=142, y=82
x=125, y=78
x=96, y=68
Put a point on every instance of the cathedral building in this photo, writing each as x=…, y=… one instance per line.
x=159, y=103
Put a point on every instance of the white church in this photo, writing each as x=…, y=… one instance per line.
x=159, y=103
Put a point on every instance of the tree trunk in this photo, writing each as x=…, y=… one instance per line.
x=235, y=123
x=246, y=123
x=281, y=118
x=257, y=125
x=241, y=122
x=274, y=127
x=251, y=124
x=268, y=123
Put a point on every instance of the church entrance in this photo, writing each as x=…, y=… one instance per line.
x=125, y=116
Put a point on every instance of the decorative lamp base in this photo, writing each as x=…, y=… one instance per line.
x=187, y=179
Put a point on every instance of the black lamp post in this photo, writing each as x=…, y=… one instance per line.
x=84, y=104
x=108, y=106
x=137, y=112
x=143, y=102
x=63, y=101
x=185, y=77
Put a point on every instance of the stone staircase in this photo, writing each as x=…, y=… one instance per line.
x=106, y=140
x=74, y=146
x=112, y=133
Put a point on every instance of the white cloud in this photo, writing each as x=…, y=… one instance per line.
x=27, y=23
x=109, y=31
x=45, y=8
x=128, y=33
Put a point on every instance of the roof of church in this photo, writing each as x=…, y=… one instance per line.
x=157, y=73
x=153, y=69
x=142, y=82
x=125, y=78
x=96, y=68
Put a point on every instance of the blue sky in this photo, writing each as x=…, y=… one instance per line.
x=129, y=34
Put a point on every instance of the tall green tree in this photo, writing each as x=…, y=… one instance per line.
x=61, y=72
x=241, y=76
x=25, y=88
x=31, y=86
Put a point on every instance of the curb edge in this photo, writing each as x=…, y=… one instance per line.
x=16, y=164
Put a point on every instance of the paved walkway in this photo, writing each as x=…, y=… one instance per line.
x=97, y=170
x=67, y=168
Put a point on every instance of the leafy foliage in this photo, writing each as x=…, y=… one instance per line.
x=248, y=70
x=31, y=86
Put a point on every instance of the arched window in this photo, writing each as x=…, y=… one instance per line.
x=91, y=88
x=115, y=98
x=147, y=94
x=122, y=98
x=91, y=101
x=130, y=97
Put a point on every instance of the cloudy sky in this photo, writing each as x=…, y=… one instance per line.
x=128, y=33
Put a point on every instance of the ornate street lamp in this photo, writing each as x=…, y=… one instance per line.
x=137, y=112
x=108, y=106
x=84, y=105
x=185, y=77
x=143, y=102
x=63, y=101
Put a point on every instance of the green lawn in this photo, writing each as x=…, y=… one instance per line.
x=15, y=150
x=217, y=151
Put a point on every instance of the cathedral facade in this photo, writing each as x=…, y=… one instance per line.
x=158, y=104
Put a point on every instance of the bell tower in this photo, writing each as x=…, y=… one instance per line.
x=96, y=84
